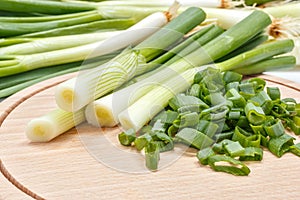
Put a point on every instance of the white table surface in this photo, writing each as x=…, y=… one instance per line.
x=289, y=75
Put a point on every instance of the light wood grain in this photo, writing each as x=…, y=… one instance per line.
x=88, y=163
x=9, y=192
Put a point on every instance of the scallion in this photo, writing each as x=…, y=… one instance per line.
x=49, y=126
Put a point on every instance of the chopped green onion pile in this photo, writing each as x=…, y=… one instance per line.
x=227, y=118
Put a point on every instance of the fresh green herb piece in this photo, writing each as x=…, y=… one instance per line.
x=295, y=149
x=225, y=135
x=264, y=140
x=263, y=100
x=194, y=90
x=273, y=92
x=158, y=125
x=254, y=114
x=253, y=141
x=141, y=141
x=127, y=137
x=290, y=105
x=234, y=115
x=232, y=166
x=166, y=116
x=207, y=127
x=279, y=110
x=230, y=76
x=211, y=129
x=194, y=138
x=182, y=100
x=275, y=128
x=232, y=85
x=212, y=82
x=202, y=125
x=145, y=129
x=258, y=129
x=152, y=156
x=204, y=154
x=247, y=90
x=214, y=113
x=172, y=131
x=245, y=138
x=218, y=147
x=233, y=149
x=186, y=120
x=252, y=154
x=297, y=109
x=259, y=83
x=294, y=124
x=215, y=98
x=165, y=143
x=198, y=77
x=237, y=99
x=280, y=145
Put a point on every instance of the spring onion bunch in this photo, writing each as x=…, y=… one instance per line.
x=69, y=94
x=21, y=63
x=54, y=18
x=114, y=72
x=104, y=111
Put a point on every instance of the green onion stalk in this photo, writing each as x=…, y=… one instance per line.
x=85, y=18
x=44, y=7
x=104, y=111
x=15, y=83
x=9, y=29
x=147, y=106
x=13, y=64
x=17, y=19
x=90, y=27
x=94, y=84
x=108, y=107
x=56, y=122
x=39, y=45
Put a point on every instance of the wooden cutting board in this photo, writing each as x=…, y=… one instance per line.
x=89, y=163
